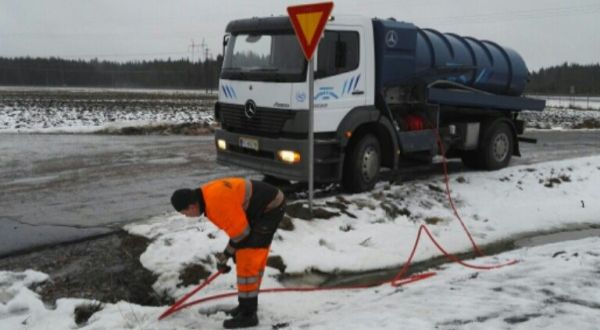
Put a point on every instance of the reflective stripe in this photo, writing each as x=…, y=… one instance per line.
x=247, y=195
x=241, y=236
x=276, y=202
x=250, y=294
x=248, y=280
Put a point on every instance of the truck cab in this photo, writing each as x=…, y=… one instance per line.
x=373, y=101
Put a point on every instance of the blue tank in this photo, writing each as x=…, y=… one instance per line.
x=406, y=55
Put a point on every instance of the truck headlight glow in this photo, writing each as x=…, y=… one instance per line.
x=288, y=156
x=222, y=144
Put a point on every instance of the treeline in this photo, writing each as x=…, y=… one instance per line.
x=25, y=71
x=566, y=79
x=181, y=73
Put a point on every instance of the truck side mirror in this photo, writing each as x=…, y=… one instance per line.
x=225, y=42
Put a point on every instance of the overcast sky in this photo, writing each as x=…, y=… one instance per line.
x=544, y=32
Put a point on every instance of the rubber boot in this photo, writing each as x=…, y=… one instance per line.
x=233, y=312
x=246, y=316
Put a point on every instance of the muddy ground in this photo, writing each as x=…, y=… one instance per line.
x=106, y=269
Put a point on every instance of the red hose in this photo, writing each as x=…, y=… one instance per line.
x=175, y=307
x=450, y=199
x=398, y=280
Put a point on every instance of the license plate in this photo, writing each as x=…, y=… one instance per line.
x=249, y=143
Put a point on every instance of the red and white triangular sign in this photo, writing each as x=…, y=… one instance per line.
x=309, y=22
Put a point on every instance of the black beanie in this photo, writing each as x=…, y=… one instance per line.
x=182, y=198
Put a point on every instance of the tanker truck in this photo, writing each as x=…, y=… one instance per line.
x=386, y=93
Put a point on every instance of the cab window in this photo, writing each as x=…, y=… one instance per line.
x=338, y=53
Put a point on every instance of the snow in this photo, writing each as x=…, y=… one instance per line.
x=553, y=286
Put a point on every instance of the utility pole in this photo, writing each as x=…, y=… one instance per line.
x=205, y=49
x=193, y=47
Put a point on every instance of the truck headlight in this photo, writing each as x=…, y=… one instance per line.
x=288, y=156
x=222, y=144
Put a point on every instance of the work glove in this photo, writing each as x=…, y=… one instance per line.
x=222, y=259
x=223, y=268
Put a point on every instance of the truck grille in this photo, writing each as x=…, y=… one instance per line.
x=265, y=120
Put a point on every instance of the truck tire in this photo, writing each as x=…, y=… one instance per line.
x=497, y=147
x=361, y=165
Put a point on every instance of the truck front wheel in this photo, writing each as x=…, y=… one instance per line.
x=362, y=164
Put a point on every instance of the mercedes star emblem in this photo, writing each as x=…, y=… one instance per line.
x=391, y=38
x=250, y=109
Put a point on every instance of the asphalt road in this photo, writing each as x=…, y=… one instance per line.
x=57, y=188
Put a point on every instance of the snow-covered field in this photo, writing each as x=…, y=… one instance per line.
x=552, y=286
x=571, y=102
x=558, y=118
x=81, y=110
x=85, y=110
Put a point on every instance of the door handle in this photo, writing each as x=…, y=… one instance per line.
x=358, y=93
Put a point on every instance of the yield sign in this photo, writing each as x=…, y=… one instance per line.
x=308, y=22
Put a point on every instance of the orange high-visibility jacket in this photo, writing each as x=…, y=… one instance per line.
x=225, y=202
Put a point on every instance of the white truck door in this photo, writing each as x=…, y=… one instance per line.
x=340, y=79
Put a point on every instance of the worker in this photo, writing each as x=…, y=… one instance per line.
x=249, y=212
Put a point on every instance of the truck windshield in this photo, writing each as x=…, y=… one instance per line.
x=264, y=57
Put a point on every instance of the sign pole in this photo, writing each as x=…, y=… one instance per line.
x=311, y=137
x=309, y=23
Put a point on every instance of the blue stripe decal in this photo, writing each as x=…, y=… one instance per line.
x=233, y=90
x=326, y=93
x=344, y=88
x=229, y=91
x=225, y=91
x=350, y=85
x=356, y=82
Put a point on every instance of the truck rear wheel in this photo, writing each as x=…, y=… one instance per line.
x=495, y=149
x=498, y=146
x=362, y=164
